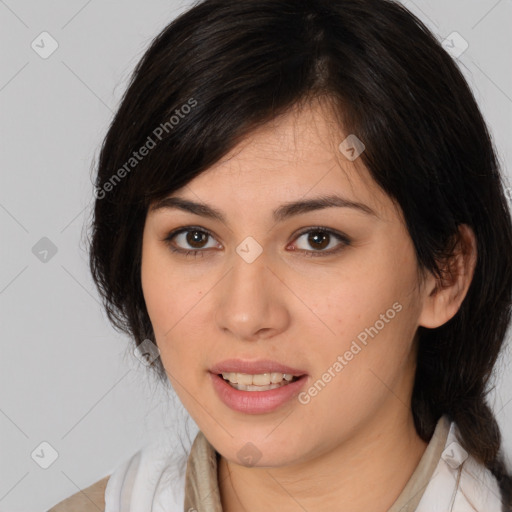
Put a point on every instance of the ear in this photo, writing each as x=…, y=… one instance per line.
x=443, y=297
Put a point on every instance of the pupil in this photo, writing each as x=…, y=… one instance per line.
x=191, y=235
x=314, y=237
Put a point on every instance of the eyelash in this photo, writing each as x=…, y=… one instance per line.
x=315, y=229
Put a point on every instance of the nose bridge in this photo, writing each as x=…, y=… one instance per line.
x=248, y=300
x=249, y=262
x=248, y=274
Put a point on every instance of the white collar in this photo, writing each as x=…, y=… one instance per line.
x=460, y=483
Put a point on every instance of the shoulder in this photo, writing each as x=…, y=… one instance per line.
x=90, y=499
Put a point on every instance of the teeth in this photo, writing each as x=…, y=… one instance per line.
x=262, y=379
x=244, y=379
x=241, y=387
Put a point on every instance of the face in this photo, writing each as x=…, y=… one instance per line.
x=331, y=292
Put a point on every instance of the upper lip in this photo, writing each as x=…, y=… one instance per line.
x=254, y=367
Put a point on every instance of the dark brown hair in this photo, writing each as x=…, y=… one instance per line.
x=225, y=67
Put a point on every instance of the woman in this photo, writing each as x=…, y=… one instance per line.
x=299, y=205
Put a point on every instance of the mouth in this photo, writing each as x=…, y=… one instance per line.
x=258, y=382
x=257, y=393
x=256, y=375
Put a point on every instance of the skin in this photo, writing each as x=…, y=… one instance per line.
x=354, y=444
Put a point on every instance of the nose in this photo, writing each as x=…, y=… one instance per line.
x=251, y=301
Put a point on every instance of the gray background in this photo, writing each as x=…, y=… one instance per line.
x=66, y=377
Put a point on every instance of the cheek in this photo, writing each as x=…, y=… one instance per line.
x=172, y=303
x=157, y=294
x=370, y=311
x=165, y=294
x=356, y=297
x=361, y=369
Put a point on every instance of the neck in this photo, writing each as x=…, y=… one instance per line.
x=366, y=472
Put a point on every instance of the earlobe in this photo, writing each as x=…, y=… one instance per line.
x=443, y=296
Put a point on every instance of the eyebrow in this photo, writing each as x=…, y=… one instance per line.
x=285, y=211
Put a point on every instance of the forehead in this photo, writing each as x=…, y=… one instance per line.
x=293, y=156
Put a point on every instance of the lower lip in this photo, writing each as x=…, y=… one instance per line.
x=256, y=402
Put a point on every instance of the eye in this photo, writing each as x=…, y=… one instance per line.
x=193, y=236
x=320, y=238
